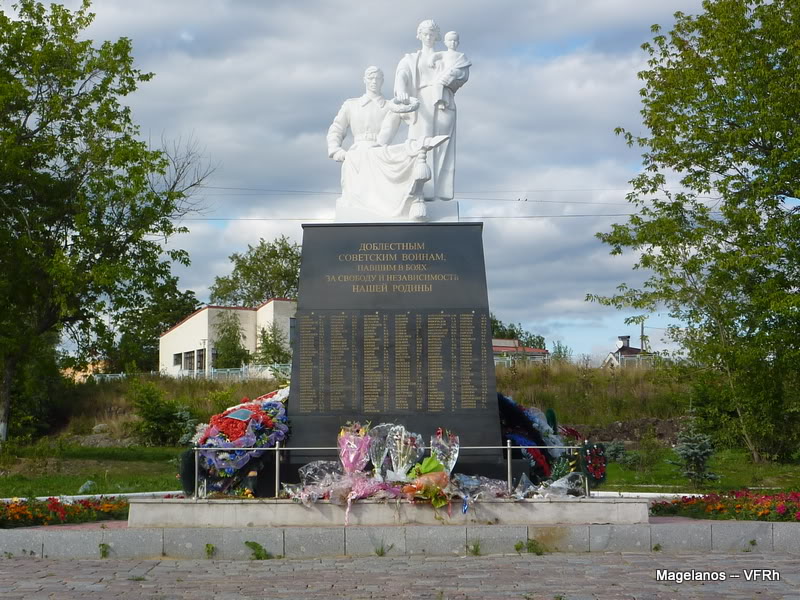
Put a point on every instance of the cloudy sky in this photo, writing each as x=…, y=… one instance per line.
x=257, y=84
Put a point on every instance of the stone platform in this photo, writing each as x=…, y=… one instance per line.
x=286, y=513
x=662, y=535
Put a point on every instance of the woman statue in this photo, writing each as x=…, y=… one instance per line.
x=433, y=77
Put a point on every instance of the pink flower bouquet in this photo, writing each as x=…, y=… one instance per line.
x=353, y=444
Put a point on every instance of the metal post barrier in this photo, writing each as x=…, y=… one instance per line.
x=585, y=475
x=196, y=471
x=278, y=449
x=508, y=463
x=277, y=469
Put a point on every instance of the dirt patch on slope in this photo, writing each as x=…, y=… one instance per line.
x=665, y=430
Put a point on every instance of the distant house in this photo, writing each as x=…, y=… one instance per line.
x=507, y=351
x=625, y=354
x=82, y=374
x=188, y=348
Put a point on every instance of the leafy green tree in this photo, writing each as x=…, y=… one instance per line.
x=561, y=352
x=41, y=397
x=133, y=346
x=273, y=347
x=515, y=332
x=84, y=203
x=717, y=226
x=267, y=270
x=229, y=343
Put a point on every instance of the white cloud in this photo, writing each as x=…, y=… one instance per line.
x=257, y=84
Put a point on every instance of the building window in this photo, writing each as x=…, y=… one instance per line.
x=188, y=361
x=176, y=359
x=201, y=359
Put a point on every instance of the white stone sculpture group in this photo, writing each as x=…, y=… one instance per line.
x=396, y=180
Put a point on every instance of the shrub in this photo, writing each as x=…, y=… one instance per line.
x=694, y=450
x=615, y=451
x=186, y=423
x=159, y=424
x=647, y=456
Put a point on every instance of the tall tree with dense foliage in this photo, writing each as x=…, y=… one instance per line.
x=132, y=344
x=273, y=347
x=267, y=270
x=84, y=203
x=515, y=332
x=229, y=349
x=717, y=227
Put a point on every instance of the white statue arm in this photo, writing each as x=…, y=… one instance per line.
x=396, y=114
x=402, y=82
x=336, y=134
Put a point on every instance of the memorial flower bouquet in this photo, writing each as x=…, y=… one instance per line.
x=444, y=447
x=428, y=481
x=353, y=444
x=405, y=450
x=379, y=448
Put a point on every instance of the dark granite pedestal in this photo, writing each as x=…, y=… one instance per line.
x=393, y=326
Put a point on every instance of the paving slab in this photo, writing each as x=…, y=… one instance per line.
x=300, y=542
x=21, y=542
x=494, y=539
x=233, y=545
x=786, y=537
x=134, y=543
x=72, y=543
x=561, y=538
x=436, y=539
x=619, y=538
x=681, y=537
x=375, y=541
x=190, y=543
x=741, y=536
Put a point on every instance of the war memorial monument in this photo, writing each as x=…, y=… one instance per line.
x=392, y=330
x=393, y=319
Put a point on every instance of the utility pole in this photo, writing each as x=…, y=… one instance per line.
x=642, y=338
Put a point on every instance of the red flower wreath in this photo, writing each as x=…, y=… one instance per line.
x=236, y=428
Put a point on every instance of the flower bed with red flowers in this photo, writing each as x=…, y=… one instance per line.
x=30, y=512
x=744, y=505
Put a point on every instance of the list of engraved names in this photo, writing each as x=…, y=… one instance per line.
x=377, y=362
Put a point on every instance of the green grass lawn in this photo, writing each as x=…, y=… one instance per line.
x=733, y=466
x=30, y=472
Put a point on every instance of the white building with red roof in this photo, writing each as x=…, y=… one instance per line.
x=506, y=351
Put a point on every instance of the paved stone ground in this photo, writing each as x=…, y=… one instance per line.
x=548, y=577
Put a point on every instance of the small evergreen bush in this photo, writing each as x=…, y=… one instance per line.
x=615, y=451
x=694, y=450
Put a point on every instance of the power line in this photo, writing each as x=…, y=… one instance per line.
x=519, y=200
x=461, y=217
x=532, y=191
x=260, y=192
